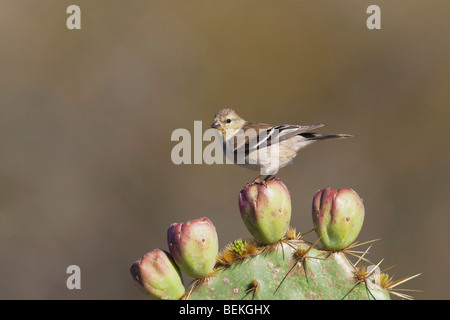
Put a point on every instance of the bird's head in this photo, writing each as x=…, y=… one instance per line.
x=227, y=120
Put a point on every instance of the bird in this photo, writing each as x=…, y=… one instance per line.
x=261, y=146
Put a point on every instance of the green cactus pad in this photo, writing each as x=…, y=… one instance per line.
x=280, y=272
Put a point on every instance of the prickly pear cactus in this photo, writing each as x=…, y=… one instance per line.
x=276, y=263
x=289, y=270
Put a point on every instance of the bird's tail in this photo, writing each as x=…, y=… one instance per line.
x=319, y=136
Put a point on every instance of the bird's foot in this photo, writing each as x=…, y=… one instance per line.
x=258, y=180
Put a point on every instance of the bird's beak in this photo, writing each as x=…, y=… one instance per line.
x=215, y=125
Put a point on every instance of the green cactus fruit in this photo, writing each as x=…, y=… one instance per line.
x=158, y=275
x=266, y=210
x=288, y=270
x=194, y=246
x=338, y=217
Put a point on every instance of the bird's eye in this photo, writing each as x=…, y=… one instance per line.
x=228, y=120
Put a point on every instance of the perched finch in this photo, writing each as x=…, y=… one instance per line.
x=261, y=146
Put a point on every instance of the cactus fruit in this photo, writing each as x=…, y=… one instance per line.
x=194, y=246
x=157, y=273
x=338, y=217
x=266, y=210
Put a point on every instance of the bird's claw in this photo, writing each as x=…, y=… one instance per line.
x=258, y=180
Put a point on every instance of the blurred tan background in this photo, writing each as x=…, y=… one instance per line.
x=86, y=118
